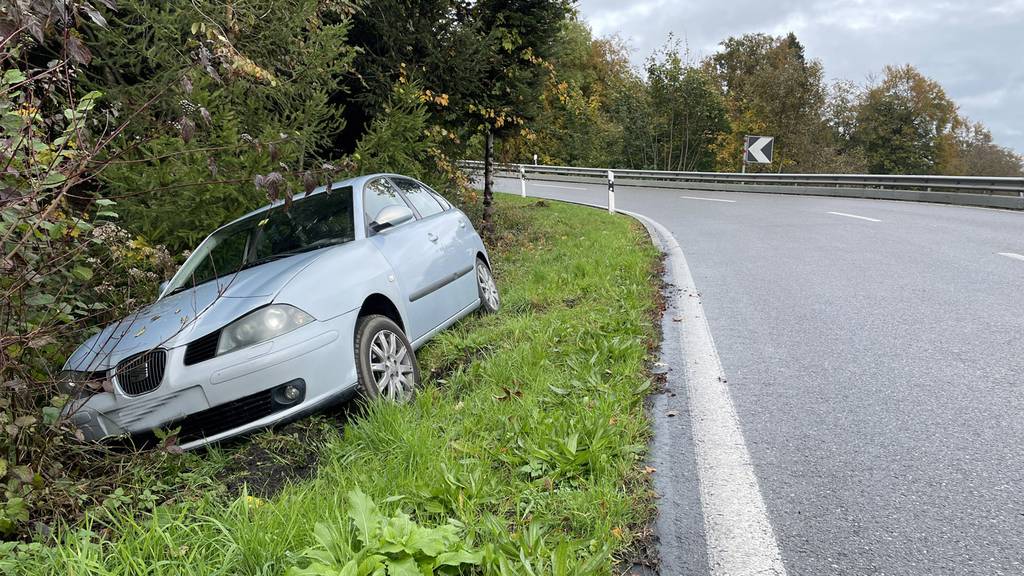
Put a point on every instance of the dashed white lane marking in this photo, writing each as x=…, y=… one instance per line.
x=556, y=186
x=708, y=199
x=740, y=538
x=1012, y=255
x=855, y=216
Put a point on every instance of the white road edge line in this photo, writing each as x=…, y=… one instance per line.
x=1012, y=255
x=855, y=216
x=740, y=539
x=708, y=199
x=556, y=186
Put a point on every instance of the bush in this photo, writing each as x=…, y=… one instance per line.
x=67, y=267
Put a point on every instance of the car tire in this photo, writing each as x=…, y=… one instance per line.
x=486, y=288
x=385, y=361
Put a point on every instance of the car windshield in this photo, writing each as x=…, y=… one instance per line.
x=313, y=222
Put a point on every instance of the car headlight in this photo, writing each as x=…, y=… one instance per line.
x=260, y=326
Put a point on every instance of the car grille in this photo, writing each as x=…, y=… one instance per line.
x=142, y=373
x=202, y=349
x=224, y=417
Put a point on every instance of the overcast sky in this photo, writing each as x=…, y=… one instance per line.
x=974, y=48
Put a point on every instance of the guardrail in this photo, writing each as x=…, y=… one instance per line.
x=962, y=190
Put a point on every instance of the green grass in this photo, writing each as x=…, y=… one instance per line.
x=529, y=435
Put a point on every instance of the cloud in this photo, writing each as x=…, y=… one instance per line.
x=972, y=48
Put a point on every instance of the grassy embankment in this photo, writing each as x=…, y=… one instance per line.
x=526, y=443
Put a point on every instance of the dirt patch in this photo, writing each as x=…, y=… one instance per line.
x=464, y=359
x=268, y=462
x=656, y=371
x=641, y=557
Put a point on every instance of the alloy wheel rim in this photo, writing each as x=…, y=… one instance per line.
x=487, y=286
x=392, y=366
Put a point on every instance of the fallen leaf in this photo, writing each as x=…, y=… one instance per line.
x=650, y=470
x=506, y=394
x=617, y=532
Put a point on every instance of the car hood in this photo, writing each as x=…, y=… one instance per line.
x=179, y=318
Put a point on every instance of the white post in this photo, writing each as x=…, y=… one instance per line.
x=611, y=192
x=534, y=159
x=522, y=179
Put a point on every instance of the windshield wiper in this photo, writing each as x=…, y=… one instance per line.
x=321, y=243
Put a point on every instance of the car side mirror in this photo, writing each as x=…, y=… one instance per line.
x=391, y=216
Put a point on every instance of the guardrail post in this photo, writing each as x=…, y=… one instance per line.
x=522, y=179
x=611, y=192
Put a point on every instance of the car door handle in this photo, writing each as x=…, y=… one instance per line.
x=432, y=236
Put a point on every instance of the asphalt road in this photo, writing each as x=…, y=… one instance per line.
x=875, y=358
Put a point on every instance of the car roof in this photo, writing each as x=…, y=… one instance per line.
x=356, y=183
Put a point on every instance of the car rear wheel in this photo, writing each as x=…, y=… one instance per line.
x=385, y=360
x=490, y=301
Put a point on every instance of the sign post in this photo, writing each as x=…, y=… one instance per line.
x=611, y=192
x=522, y=179
x=757, y=150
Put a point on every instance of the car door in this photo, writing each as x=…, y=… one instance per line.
x=414, y=255
x=458, y=289
x=466, y=243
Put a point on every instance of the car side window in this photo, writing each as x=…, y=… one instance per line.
x=423, y=200
x=444, y=203
x=378, y=195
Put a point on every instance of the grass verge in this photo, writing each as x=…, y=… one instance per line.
x=523, y=454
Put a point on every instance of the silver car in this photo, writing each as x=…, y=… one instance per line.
x=285, y=310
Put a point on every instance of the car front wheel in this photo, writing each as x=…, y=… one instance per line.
x=490, y=301
x=385, y=360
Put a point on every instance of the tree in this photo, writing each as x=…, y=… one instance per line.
x=687, y=113
x=430, y=42
x=516, y=37
x=771, y=88
x=841, y=118
x=906, y=125
x=575, y=126
x=980, y=156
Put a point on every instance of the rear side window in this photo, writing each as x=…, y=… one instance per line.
x=378, y=195
x=444, y=203
x=420, y=197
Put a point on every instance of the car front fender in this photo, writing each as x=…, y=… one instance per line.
x=341, y=280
